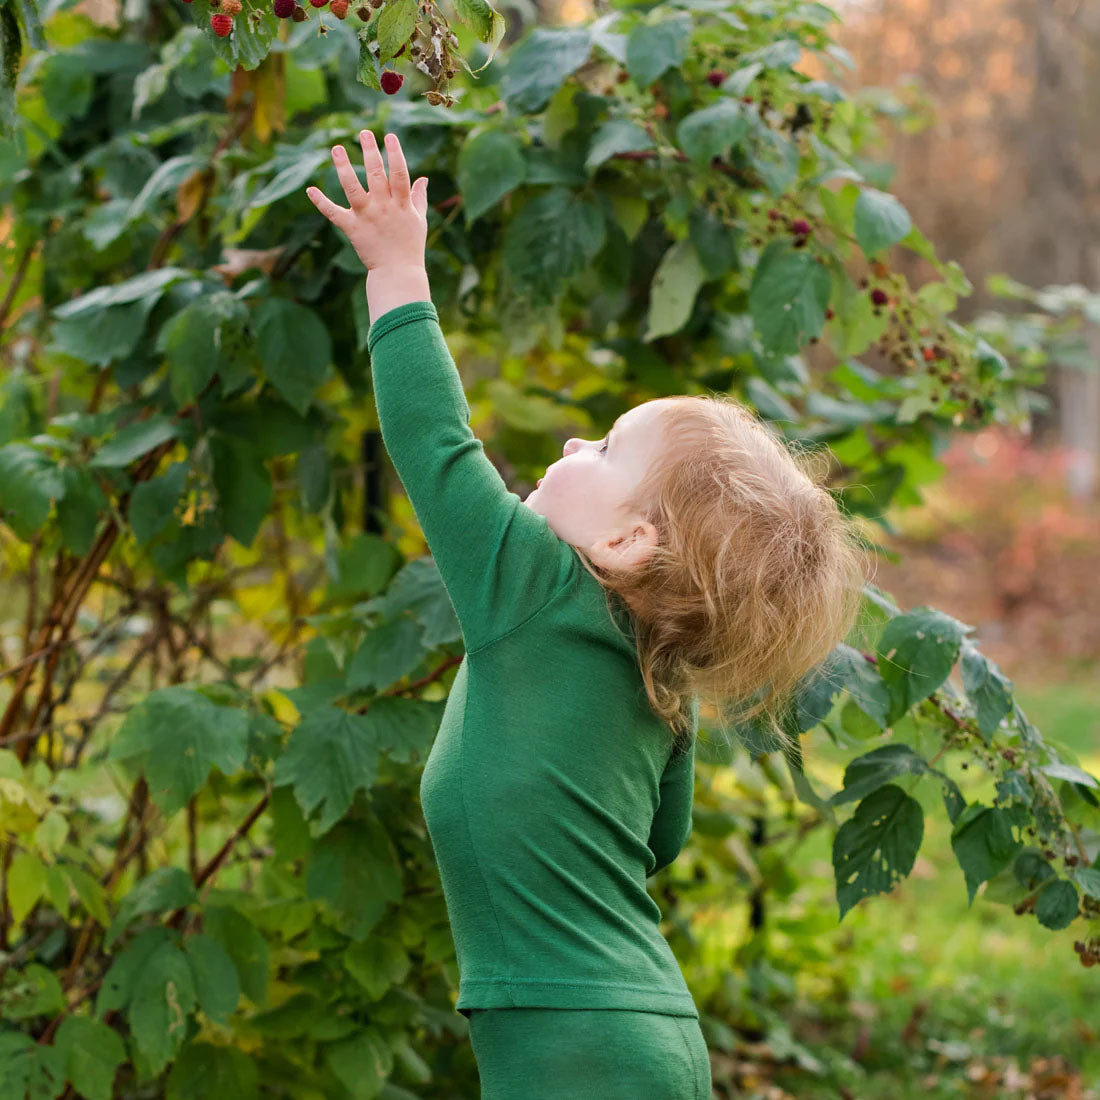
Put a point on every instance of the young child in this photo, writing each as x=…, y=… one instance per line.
x=562, y=773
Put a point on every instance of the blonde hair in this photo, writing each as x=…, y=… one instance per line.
x=756, y=576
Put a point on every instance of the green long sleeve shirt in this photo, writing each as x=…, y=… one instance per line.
x=552, y=790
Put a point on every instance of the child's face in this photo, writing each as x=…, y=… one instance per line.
x=582, y=495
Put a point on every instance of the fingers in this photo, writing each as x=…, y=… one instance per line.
x=377, y=183
x=335, y=214
x=399, y=170
x=357, y=197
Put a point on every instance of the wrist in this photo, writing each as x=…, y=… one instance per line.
x=393, y=286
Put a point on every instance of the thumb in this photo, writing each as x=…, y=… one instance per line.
x=420, y=195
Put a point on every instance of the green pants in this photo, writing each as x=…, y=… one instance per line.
x=588, y=1054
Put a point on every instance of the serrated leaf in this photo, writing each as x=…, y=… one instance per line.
x=654, y=47
x=244, y=945
x=163, y=888
x=153, y=502
x=331, y=754
x=877, y=846
x=538, y=64
x=788, y=297
x=490, y=165
x=135, y=440
x=79, y=508
x=550, y=240
x=987, y=688
x=92, y=1052
x=396, y=23
x=29, y=479
x=161, y=1003
x=33, y=991
x=873, y=769
x=377, y=963
x=361, y=1062
x=1057, y=770
x=217, y=986
x=1088, y=878
x=1056, y=906
x=209, y=1071
x=672, y=295
x=175, y=735
x=917, y=651
x=880, y=220
x=245, y=491
x=295, y=348
x=712, y=131
x=616, y=135
x=386, y=654
x=26, y=883
x=983, y=844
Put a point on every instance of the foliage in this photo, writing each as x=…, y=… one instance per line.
x=647, y=206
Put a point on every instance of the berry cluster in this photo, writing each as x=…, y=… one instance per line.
x=1088, y=953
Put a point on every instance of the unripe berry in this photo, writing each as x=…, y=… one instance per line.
x=392, y=81
x=221, y=23
x=231, y=7
x=299, y=14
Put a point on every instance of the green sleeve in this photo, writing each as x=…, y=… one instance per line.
x=499, y=560
x=672, y=821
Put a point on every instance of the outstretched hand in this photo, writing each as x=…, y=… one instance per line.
x=387, y=224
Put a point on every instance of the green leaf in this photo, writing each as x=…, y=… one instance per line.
x=1058, y=770
x=877, y=846
x=354, y=869
x=864, y=683
x=654, y=47
x=153, y=502
x=90, y=892
x=290, y=180
x=118, y=982
x=293, y=1017
x=331, y=754
x=550, y=240
x=676, y=283
x=490, y=165
x=33, y=991
x=217, y=985
x=163, y=888
x=29, y=480
x=92, y=1052
x=26, y=883
x=295, y=349
x=206, y=1070
x=176, y=734
x=712, y=131
x=788, y=297
x=198, y=341
x=916, y=652
x=880, y=220
x=537, y=66
x=79, y=508
x=362, y=1062
x=244, y=945
x=616, y=135
x=135, y=440
x=404, y=729
x=148, y=285
x=161, y=1003
x=983, y=843
x=487, y=23
x=1056, y=906
x=386, y=654
x=377, y=963
x=244, y=487
x=987, y=688
x=1088, y=878
x=29, y=1071
x=875, y=768
x=396, y=22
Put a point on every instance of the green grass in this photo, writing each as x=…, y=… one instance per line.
x=994, y=988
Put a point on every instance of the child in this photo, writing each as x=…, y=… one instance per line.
x=562, y=773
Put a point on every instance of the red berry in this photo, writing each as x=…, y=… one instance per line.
x=318, y=3
x=746, y=99
x=339, y=8
x=774, y=215
x=829, y=314
x=231, y=7
x=284, y=8
x=392, y=81
x=800, y=228
x=879, y=296
x=221, y=23
x=715, y=77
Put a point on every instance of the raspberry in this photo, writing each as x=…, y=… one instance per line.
x=283, y=8
x=221, y=23
x=339, y=8
x=829, y=314
x=364, y=13
x=715, y=77
x=800, y=228
x=392, y=81
x=879, y=296
x=231, y=7
x=318, y=3
x=773, y=215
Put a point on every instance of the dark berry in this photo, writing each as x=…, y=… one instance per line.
x=284, y=8
x=829, y=315
x=715, y=77
x=392, y=81
x=221, y=23
x=879, y=296
x=800, y=228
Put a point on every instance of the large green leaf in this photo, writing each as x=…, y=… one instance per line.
x=217, y=984
x=295, y=348
x=163, y=888
x=653, y=47
x=916, y=652
x=490, y=165
x=538, y=65
x=245, y=946
x=987, y=688
x=29, y=480
x=788, y=297
x=331, y=755
x=207, y=1070
x=616, y=135
x=983, y=843
x=877, y=846
x=712, y=131
x=875, y=768
x=161, y=1004
x=678, y=278
x=880, y=220
x=244, y=487
x=175, y=735
x=386, y=654
x=92, y=1052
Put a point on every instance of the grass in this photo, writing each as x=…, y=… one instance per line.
x=980, y=989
